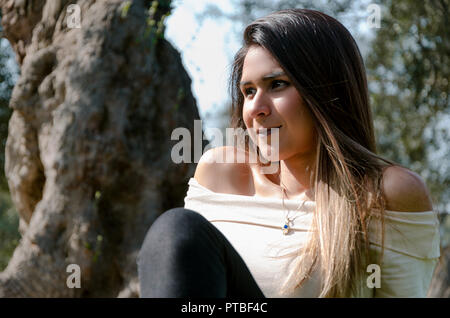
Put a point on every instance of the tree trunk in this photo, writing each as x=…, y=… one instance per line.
x=88, y=155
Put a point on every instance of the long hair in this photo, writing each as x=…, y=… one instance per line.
x=323, y=61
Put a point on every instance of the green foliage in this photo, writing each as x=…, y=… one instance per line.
x=409, y=71
x=9, y=224
x=98, y=248
x=6, y=86
x=9, y=218
x=156, y=16
x=245, y=11
x=125, y=7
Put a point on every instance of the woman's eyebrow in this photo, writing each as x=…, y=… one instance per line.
x=266, y=77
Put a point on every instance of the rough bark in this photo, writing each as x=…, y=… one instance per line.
x=88, y=153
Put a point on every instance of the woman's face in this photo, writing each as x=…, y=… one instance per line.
x=271, y=100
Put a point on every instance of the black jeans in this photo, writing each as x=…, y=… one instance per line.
x=184, y=255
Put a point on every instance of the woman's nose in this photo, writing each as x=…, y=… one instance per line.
x=260, y=105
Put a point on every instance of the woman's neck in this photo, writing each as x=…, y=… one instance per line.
x=295, y=176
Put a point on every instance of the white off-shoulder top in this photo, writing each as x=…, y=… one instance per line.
x=253, y=226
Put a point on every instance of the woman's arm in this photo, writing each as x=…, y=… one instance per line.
x=405, y=190
x=221, y=170
x=412, y=248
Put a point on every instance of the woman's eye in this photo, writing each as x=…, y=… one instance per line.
x=279, y=83
x=248, y=91
x=275, y=84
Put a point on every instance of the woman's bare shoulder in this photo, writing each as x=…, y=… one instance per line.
x=225, y=170
x=405, y=190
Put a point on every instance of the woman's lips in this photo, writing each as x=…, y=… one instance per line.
x=266, y=131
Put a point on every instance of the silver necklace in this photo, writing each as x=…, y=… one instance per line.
x=288, y=222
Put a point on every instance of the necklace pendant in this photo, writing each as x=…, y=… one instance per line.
x=285, y=228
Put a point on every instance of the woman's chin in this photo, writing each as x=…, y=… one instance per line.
x=269, y=153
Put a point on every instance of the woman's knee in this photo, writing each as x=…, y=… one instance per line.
x=177, y=219
x=173, y=230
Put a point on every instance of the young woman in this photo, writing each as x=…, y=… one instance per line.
x=334, y=220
